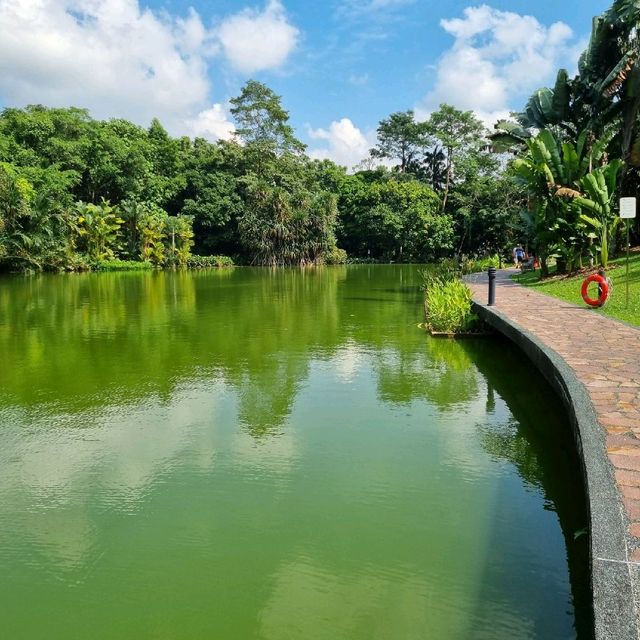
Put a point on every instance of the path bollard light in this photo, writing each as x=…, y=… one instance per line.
x=492, y=286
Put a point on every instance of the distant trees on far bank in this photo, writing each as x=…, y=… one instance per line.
x=75, y=191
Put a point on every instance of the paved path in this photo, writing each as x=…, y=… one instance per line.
x=605, y=356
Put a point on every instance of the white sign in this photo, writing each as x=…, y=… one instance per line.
x=627, y=207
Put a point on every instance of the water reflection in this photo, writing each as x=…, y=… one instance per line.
x=65, y=469
x=97, y=339
x=306, y=595
x=530, y=432
x=292, y=435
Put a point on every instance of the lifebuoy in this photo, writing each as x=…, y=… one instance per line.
x=603, y=290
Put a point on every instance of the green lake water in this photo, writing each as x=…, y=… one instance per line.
x=276, y=454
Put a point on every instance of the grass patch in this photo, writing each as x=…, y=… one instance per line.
x=122, y=265
x=568, y=288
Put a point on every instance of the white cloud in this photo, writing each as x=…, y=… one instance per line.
x=346, y=145
x=212, y=124
x=253, y=41
x=497, y=57
x=489, y=118
x=108, y=55
x=119, y=59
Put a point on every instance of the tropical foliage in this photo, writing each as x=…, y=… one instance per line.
x=579, y=145
x=565, y=181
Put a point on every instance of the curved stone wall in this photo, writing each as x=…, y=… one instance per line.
x=615, y=580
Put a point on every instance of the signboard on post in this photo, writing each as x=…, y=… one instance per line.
x=627, y=207
x=627, y=212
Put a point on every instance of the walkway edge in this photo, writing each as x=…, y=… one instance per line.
x=614, y=580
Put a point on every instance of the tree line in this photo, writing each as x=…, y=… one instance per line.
x=76, y=192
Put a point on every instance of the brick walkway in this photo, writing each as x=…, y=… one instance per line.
x=605, y=356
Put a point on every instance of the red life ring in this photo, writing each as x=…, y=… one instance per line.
x=603, y=290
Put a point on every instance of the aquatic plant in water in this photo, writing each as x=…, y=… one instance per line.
x=448, y=306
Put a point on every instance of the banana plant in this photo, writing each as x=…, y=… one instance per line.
x=152, y=230
x=549, y=106
x=608, y=78
x=179, y=230
x=553, y=172
x=545, y=108
x=605, y=93
x=98, y=226
x=599, y=187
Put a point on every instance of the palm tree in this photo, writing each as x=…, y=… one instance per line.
x=179, y=230
x=131, y=212
x=33, y=231
x=435, y=163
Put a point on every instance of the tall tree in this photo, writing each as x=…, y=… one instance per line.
x=167, y=159
x=262, y=120
x=434, y=166
x=401, y=138
x=459, y=133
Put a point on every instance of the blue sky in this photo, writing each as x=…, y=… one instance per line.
x=339, y=65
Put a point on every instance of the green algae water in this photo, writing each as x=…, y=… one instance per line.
x=276, y=454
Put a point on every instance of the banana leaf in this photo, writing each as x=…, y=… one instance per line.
x=543, y=158
x=611, y=175
x=526, y=173
x=544, y=99
x=595, y=223
x=590, y=205
x=552, y=150
x=570, y=162
x=592, y=186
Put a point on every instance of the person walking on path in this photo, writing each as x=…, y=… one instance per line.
x=518, y=255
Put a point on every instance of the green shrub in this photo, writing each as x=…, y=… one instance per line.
x=451, y=269
x=121, y=265
x=476, y=265
x=205, y=262
x=66, y=261
x=336, y=256
x=448, y=306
